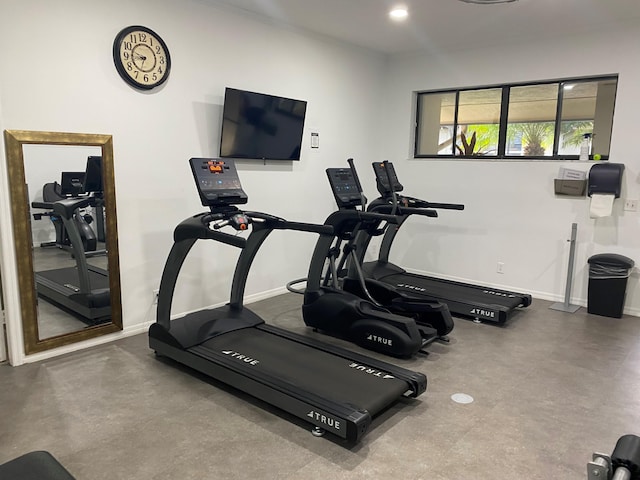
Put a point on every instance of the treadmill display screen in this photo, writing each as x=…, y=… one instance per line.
x=382, y=179
x=72, y=183
x=344, y=187
x=217, y=182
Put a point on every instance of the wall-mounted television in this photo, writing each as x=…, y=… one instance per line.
x=260, y=126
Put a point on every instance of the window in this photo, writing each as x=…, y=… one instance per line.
x=545, y=120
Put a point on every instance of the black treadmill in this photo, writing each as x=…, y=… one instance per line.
x=83, y=288
x=333, y=389
x=463, y=299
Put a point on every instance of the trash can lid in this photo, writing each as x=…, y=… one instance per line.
x=612, y=259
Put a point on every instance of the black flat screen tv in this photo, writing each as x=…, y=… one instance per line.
x=260, y=126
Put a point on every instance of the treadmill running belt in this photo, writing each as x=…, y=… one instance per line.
x=63, y=276
x=309, y=369
x=449, y=291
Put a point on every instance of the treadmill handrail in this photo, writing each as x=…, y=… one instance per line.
x=197, y=228
x=67, y=207
x=401, y=211
x=390, y=234
x=419, y=203
x=75, y=239
x=277, y=223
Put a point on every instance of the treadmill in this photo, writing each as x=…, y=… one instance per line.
x=332, y=389
x=83, y=288
x=463, y=299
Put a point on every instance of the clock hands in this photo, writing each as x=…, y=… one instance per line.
x=137, y=56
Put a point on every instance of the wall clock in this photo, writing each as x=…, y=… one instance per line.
x=141, y=57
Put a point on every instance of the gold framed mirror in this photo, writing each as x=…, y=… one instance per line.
x=96, y=309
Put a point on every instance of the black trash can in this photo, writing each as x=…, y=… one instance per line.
x=608, y=274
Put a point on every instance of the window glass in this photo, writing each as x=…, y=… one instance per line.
x=531, y=120
x=518, y=120
x=435, y=133
x=587, y=109
x=478, y=122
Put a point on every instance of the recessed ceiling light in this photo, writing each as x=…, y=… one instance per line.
x=482, y=2
x=399, y=13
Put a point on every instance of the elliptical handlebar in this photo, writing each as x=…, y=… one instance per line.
x=363, y=199
x=394, y=197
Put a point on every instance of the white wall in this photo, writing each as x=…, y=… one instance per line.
x=62, y=78
x=512, y=214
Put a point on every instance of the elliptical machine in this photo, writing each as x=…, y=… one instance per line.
x=328, y=308
x=427, y=312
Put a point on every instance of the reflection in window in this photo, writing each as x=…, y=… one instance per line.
x=587, y=109
x=436, y=129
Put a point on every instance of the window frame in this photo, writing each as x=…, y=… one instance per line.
x=504, y=115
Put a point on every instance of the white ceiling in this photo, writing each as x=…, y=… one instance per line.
x=441, y=25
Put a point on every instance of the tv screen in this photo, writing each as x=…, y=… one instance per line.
x=266, y=127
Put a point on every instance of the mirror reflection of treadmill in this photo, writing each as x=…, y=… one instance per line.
x=81, y=289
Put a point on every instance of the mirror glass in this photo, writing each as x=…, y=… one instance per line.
x=63, y=205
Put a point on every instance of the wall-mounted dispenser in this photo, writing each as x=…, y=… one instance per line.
x=606, y=178
x=605, y=183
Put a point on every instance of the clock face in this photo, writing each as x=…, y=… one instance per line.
x=141, y=57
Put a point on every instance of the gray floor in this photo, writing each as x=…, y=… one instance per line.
x=549, y=388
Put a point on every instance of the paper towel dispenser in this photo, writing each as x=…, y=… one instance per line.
x=606, y=178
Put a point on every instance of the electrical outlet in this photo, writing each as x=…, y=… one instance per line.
x=500, y=267
x=631, y=205
x=155, y=296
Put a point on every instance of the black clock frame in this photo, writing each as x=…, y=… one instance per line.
x=121, y=68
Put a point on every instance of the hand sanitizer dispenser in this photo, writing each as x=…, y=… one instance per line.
x=585, y=147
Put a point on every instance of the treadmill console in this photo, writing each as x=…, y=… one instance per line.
x=344, y=187
x=217, y=182
x=382, y=179
x=72, y=183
